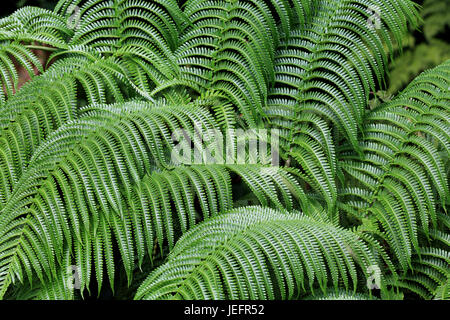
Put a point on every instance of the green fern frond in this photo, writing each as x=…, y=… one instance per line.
x=329, y=65
x=48, y=102
x=341, y=296
x=97, y=96
x=402, y=169
x=114, y=147
x=27, y=29
x=429, y=276
x=257, y=253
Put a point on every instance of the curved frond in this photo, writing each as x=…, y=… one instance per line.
x=402, y=177
x=257, y=253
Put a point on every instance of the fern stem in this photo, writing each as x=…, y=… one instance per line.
x=31, y=46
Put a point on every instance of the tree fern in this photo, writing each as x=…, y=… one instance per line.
x=93, y=94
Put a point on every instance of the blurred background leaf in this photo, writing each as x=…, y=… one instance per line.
x=424, y=48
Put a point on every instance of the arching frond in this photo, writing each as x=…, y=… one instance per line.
x=328, y=65
x=114, y=115
x=257, y=253
x=324, y=70
x=48, y=102
x=115, y=147
x=430, y=276
x=401, y=178
x=226, y=50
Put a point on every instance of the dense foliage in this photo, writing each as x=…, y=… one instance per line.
x=92, y=202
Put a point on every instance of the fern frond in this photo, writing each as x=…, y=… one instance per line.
x=257, y=253
x=115, y=147
x=402, y=171
x=27, y=29
x=328, y=65
x=226, y=49
x=109, y=110
x=48, y=102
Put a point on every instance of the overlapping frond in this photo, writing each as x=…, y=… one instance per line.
x=109, y=25
x=61, y=288
x=144, y=34
x=27, y=29
x=48, y=102
x=257, y=253
x=402, y=178
x=324, y=70
x=430, y=275
x=78, y=191
x=228, y=48
x=95, y=95
x=104, y=149
x=328, y=65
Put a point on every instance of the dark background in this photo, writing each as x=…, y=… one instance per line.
x=9, y=6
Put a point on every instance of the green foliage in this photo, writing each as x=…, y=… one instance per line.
x=92, y=97
x=436, y=17
x=402, y=176
x=423, y=49
x=256, y=253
